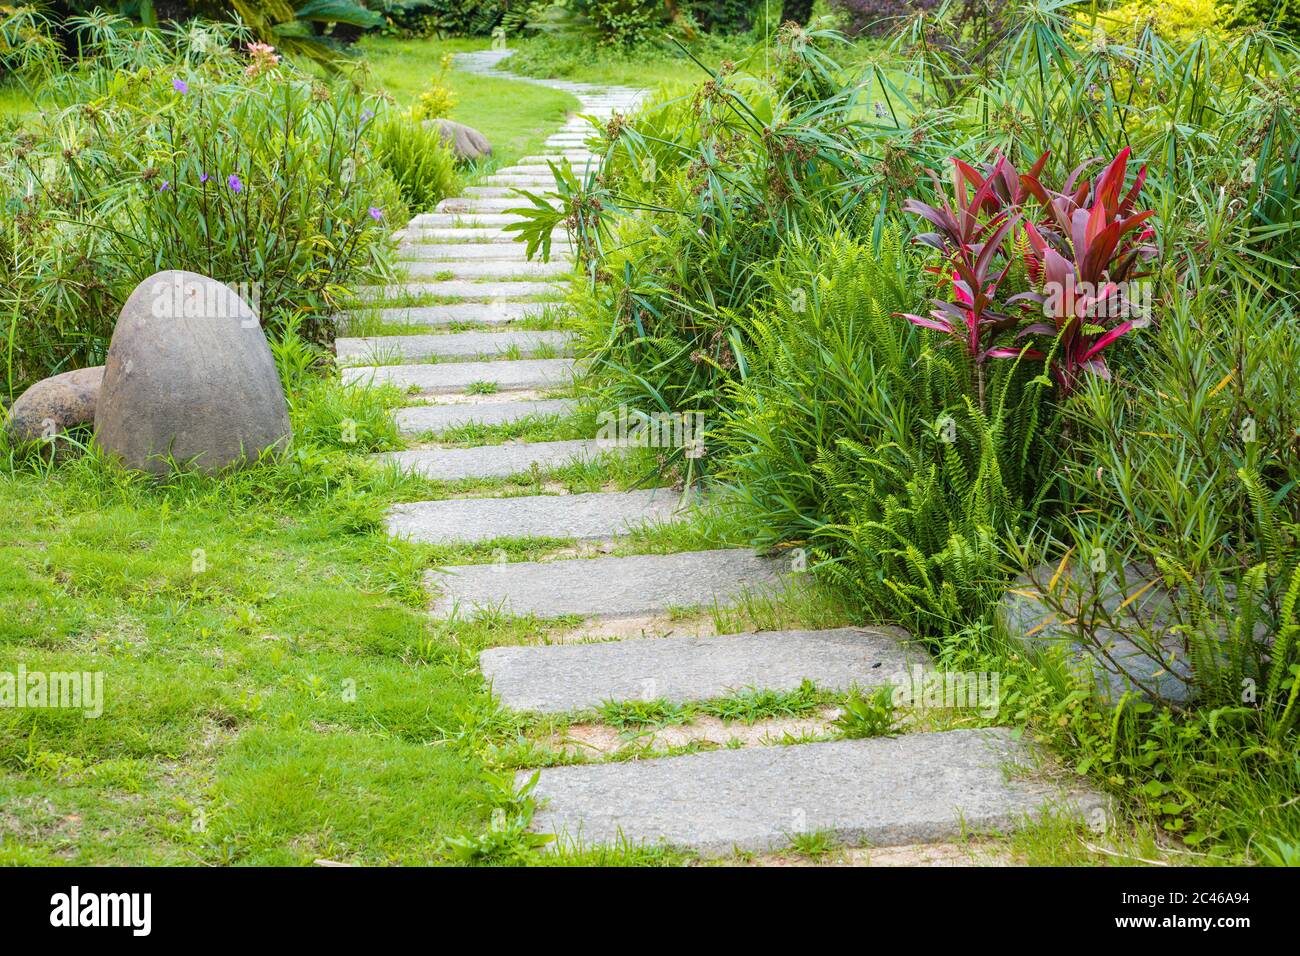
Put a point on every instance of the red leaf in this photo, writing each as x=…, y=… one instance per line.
x=964, y=174
x=929, y=323
x=1104, y=340
x=1111, y=181
x=1130, y=199
x=1004, y=352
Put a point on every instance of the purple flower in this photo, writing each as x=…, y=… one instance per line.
x=376, y=213
x=180, y=86
x=203, y=177
x=367, y=116
x=235, y=185
x=166, y=185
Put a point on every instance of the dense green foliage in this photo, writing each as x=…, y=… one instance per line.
x=418, y=159
x=176, y=152
x=723, y=16
x=851, y=433
x=890, y=392
x=460, y=17
x=878, y=16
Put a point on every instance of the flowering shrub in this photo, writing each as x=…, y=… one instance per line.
x=190, y=156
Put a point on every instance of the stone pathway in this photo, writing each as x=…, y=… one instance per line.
x=906, y=789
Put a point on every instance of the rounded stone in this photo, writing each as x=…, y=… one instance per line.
x=189, y=377
x=54, y=405
x=465, y=141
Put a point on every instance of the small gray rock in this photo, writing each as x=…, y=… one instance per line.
x=54, y=405
x=465, y=141
x=189, y=375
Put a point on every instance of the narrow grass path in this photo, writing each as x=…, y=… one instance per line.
x=658, y=676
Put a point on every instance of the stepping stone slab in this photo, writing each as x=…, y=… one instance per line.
x=554, y=150
x=418, y=419
x=461, y=220
x=531, y=183
x=571, y=155
x=460, y=289
x=536, y=170
x=458, y=376
x=472, y=205
x=493, y=461
x=883, y=791
x=467, y=235
x=487, y=269
x=583, y=517
x=481, y=313
x=468, y=251
x=605, y=587
x=450, y=345
x=564, y=678
x=490, y=192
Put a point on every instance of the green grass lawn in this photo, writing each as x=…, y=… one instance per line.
x=13, y=100
x=573, y=60
x=515, y=117
x=284, y=699
x=272, y=700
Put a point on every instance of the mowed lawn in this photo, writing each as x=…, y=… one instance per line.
x=515, y=117
x=272, y=693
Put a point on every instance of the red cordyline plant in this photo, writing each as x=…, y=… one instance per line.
x=1084, y=254
x=972, y=232
x=1080, y=255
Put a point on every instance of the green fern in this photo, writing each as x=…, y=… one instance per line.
x=852, y=431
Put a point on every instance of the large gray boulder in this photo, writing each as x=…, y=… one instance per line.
x=1156, y=662
x=54, y=405
x=465, y=141
x=189, y=375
